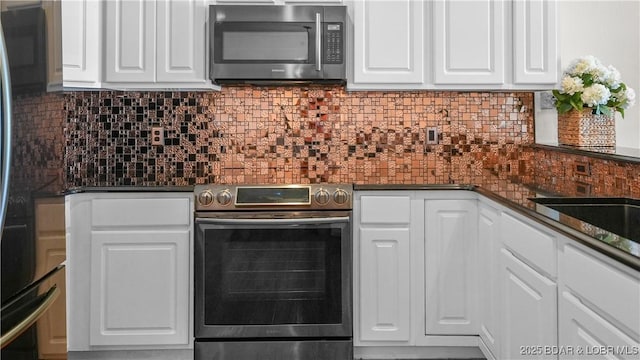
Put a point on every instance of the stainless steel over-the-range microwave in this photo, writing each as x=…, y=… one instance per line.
x=277, y=43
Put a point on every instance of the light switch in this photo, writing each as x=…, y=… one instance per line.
x=432, y=135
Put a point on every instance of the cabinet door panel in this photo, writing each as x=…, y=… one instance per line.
x=489, y=260
x=594, y=280
x=468, y=42
x=529, y=309
x=81, y=48
x=181, y=44
x=582, y=328
x=130, y=40
x=388, y=42
x=385, y=280
x=535, y=54
x=450, y=246
x=139, y=287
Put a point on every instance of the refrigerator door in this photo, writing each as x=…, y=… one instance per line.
x=5, y=135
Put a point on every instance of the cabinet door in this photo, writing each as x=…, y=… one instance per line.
x=385, y=279
x=50, y=251
x=81, y=48
x=468, y=41
x=52, y=11
x=130, y=49
x=535, y=53
x=181, y=41
x=139, y=287
x=388, y=42
x=529, y=309
x=582, y=328
x=450, y=265
x=488, y=283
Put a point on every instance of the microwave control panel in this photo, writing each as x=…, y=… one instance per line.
x=333, y=45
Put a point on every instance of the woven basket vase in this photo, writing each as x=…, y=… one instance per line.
x=584, y=129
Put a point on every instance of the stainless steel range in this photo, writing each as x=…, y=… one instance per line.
x=273, y=272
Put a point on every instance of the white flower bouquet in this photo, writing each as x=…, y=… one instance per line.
x=588, y=83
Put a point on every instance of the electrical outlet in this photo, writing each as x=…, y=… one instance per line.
x=432, y=135
x=157, y=136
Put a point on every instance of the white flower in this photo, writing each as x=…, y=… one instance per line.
x=612, y=77
x=583, y=65
x=596, y=94
x=571, y=85
x=628, y=98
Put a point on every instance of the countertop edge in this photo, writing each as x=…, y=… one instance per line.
x=610, y=251
x=115, y=189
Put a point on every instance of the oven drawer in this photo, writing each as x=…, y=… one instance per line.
x=275, y=350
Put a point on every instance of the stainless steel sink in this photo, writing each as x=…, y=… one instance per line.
x=620, y=216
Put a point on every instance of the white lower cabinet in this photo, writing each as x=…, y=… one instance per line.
x=385, y=289
x=382, y=244
x=585, y=334
x=529, y=310
x=450, y=267
x=440, y=271
x=414, y=254
x=139, y=287
x=595, y=317
x=488, y=280
x=129, y=271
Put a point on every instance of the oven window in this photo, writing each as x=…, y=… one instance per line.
x=270, y=276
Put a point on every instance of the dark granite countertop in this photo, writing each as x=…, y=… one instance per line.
x=516, y=195
x=112, y=189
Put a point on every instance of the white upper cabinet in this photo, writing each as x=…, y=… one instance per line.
x=535, y=51
x=453, y=44
x=389, y=42
x=135, y=44
x=152, y=44
x=179, y=60
x=469, y=42
x=130, y=41
x=81, y=45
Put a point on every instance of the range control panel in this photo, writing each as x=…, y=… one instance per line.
x=217, y=197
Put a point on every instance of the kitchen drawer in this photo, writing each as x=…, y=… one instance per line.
x=605, y=287
x=385, y=209
x=140, y=212
x=536, y=247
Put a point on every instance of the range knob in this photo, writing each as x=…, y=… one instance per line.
x=224, y=197
x=205, y=198
x=322, y=197
x=340, y=197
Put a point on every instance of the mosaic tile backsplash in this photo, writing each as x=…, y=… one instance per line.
x=38, y=144
x=294, y=135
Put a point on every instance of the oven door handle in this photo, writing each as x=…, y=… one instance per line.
x=275, y=221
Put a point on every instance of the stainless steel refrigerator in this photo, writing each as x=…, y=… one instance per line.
x=31, y=282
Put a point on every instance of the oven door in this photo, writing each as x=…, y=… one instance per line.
x=273, y=275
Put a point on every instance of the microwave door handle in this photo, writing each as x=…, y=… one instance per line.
x=318, y=42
